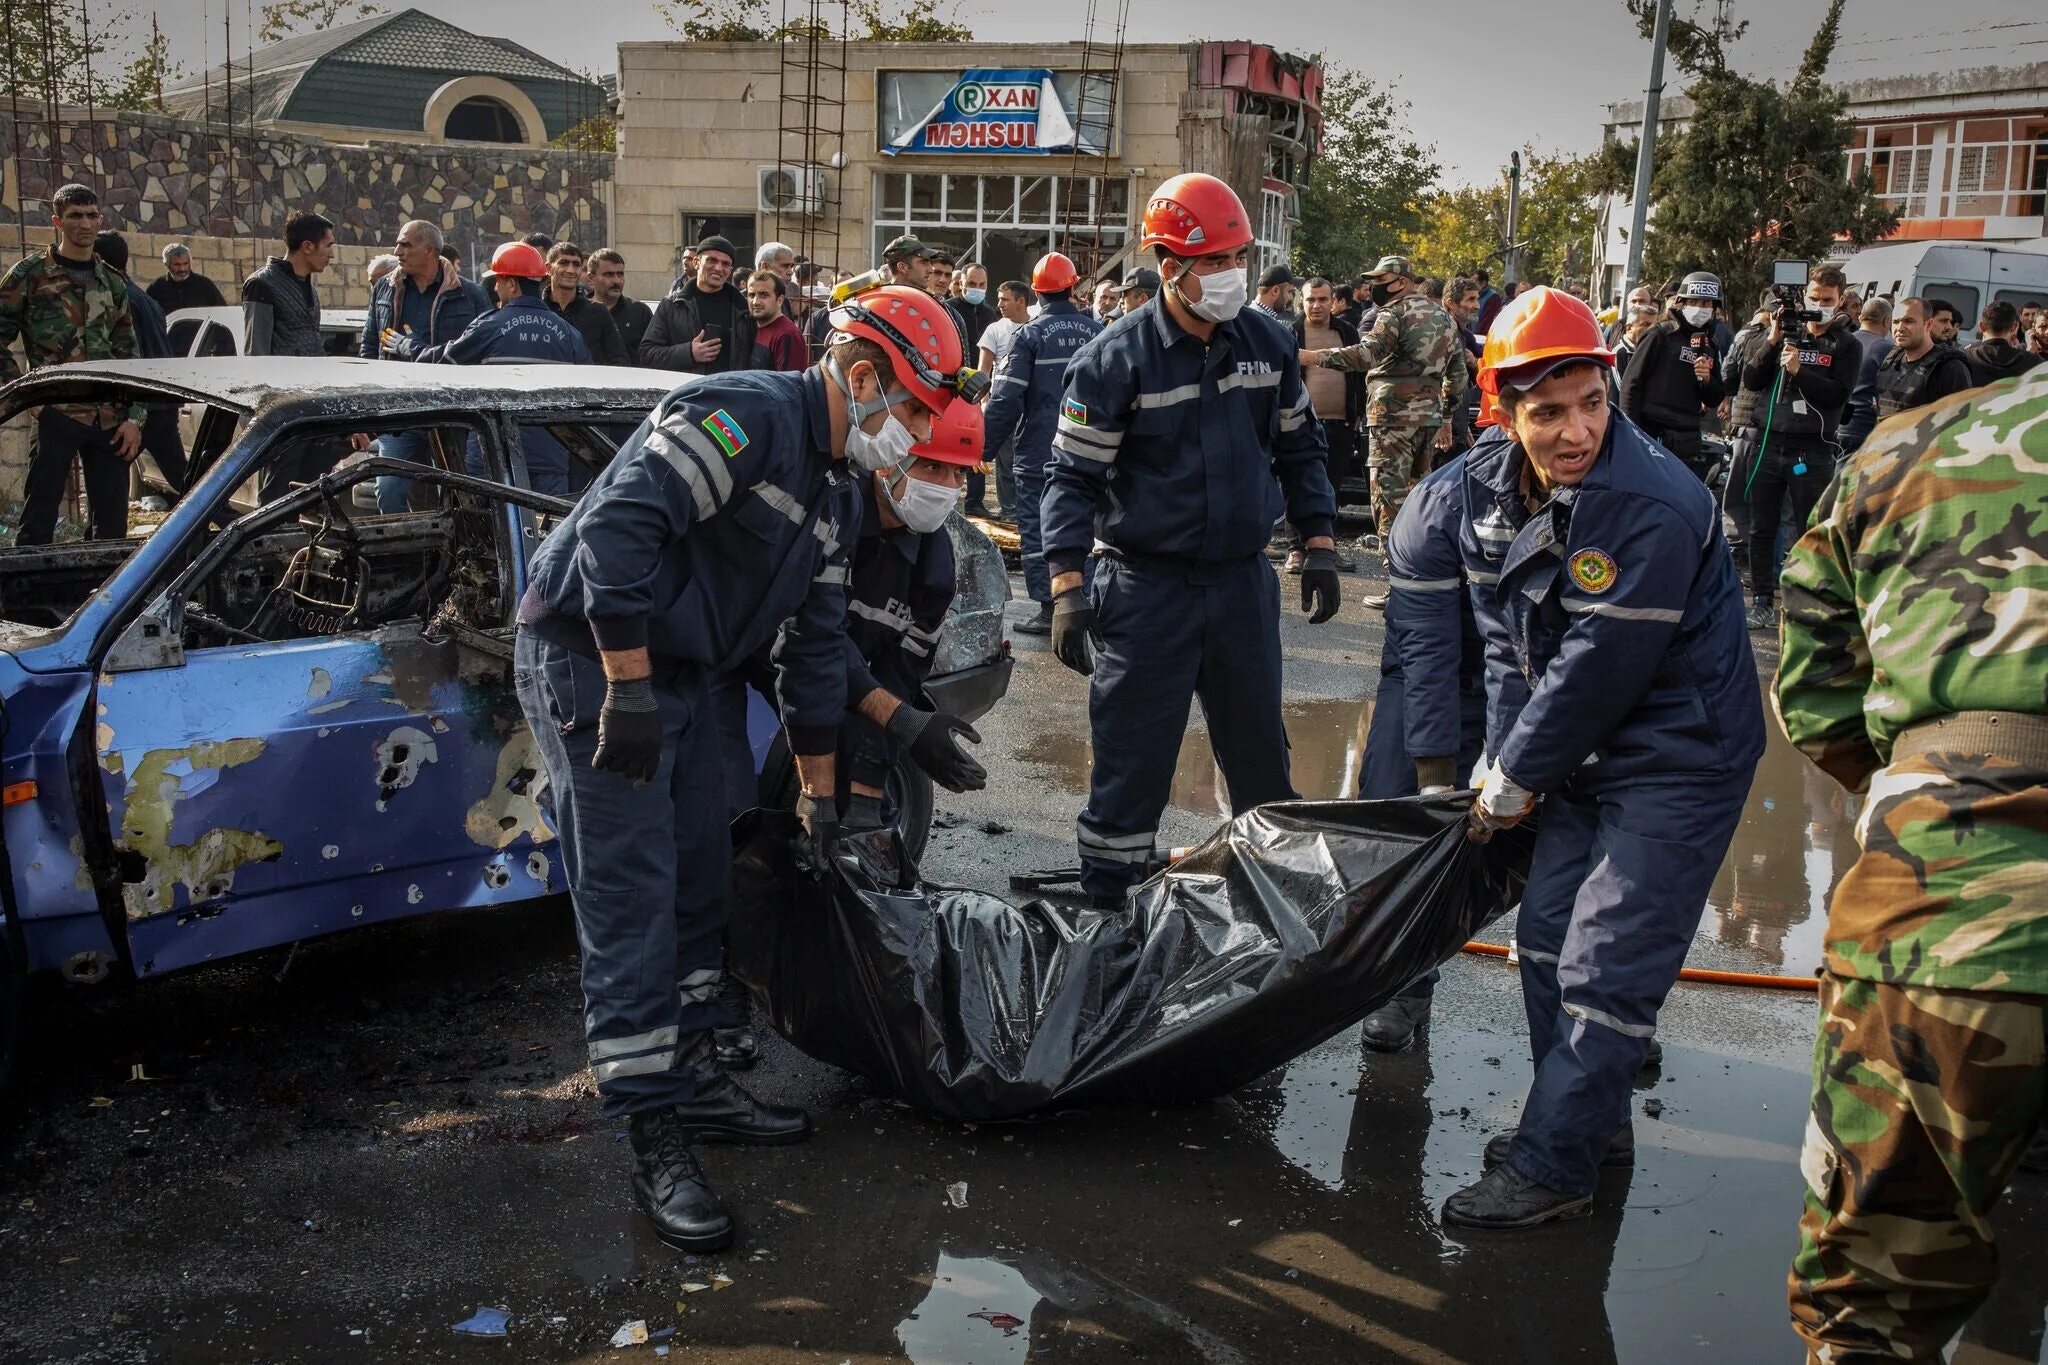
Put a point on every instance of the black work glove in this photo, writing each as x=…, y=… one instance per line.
x=819, y=816
x=863, y=814
x=932, y=737
x=629, y=731
x=1073, y=618
x=1320, y=594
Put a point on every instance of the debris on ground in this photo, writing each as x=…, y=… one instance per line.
x=956, y=1194
x=1653, y=1107
x=694, y=1286
x=1009, y=1322
x=632, y=1333
x=486, y=1322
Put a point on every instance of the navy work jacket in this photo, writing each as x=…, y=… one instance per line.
x=902, y=586
x=1430, y=626
x=523, y=331
x=1169, y=446
x=724, y=524
x=1024, y=397
x=1616, y=605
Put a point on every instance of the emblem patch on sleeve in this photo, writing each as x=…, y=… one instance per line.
x=1592, y=570
x=730, y=435
x=1077, y=413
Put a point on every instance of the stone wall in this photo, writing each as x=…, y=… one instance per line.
x=191, y=179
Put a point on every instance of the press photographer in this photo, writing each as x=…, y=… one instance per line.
x=1796, y=374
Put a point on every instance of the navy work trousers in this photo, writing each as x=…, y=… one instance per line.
x=1615, y=893
x=648, y=870
x=1167, y=632
x=1030, y=520
x=1387, y=770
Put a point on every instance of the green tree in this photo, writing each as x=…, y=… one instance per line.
x=1466, y=228
x=1366, y=189
x=97, y=65
x=1462, y=231
x=283, y=18
x=1758, y=173
x=142, y=83
x=749, y=21
x=918, y=21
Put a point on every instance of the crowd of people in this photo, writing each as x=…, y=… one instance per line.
x=1581, y=526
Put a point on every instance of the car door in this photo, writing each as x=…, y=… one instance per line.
x=348, y=751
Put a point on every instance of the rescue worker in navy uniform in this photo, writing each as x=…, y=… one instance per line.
x=1175, y=424
x=1673, y=378
x=1622, y=690
x=725, y=523
x=521, y=329
x=901, y=587
x=1024, y=401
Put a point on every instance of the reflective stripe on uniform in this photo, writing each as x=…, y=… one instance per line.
x=603, y=1048
x=1082, y=450
x=831, y=573
x=1586, y=1014
x=827, y=534
x=702, y=469
x=1169, y=397
x=1480, y=576
x=1002, y=379
x=1424, y=584
x=1619, y=612
x=881, y=616
x=916, y=648
x=1108, y=440
x=639, y=1054
x=633, y=1066
x=781, y=500
x=1116, y=848
x=1269, y=380
x=700, y=985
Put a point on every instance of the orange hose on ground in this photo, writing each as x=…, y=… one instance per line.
x=1705, y=975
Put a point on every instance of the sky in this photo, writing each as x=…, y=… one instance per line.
x=1551, y=68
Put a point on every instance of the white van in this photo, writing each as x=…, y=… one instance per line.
x=1967, y=274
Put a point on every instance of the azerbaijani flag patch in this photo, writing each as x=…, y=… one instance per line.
x=1077, y=413
x=730, y=435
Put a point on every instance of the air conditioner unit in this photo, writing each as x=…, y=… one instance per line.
x=790, y=190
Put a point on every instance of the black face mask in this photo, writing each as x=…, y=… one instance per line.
x=1381, y=294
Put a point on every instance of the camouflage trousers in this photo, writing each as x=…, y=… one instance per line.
x=1399, y=457
x=1924, y=1101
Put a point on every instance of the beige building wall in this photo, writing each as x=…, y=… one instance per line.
x=697, y=119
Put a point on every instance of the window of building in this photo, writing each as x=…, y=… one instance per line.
x=735, y=225
x=1276, y=208
x=1971, y=168
x=1004, y=221
x=483, y=119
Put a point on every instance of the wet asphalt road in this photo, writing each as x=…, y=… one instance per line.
x=340, y=1158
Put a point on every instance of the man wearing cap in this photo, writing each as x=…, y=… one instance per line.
x=725, y=523
x=1140, y=287
x=1621, y=691
x=1025, y=402
x=909, y=261
x=1415, y=373
x=1673, y=378
x=703, y=326
x=1276, y=293
x=1184, y=434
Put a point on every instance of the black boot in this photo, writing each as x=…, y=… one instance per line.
x=723, y=1112
x=1040, y=624
x=1621, y=1148
x=2036, y=1159
x=670, y=1187
x=1763, y=614
x=1396, y=1024
x=1505, y=1198
x=1653, y=1060
x=738, y=1048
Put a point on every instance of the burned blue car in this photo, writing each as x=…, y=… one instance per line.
x=278, y=714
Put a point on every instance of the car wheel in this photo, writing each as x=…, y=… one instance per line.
x=13, y=1010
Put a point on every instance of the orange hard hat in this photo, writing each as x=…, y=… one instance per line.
x=920, y=336
x=1196, y=215
x=1053, y=274
x=955, y=437
x=1543, y=325
x=519, y=261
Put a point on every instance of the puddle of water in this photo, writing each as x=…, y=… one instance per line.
x=979, y=1310
x=1766, y=912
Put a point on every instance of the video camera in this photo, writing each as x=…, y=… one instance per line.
x=1788, y=292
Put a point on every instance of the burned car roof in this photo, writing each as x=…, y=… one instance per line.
x=254, y=383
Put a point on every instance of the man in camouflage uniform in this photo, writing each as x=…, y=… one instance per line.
x=68, y=305
x=1415, y=373
x=1915, y=645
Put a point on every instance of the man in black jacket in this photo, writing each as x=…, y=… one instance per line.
x=703, y=326
x=1999, y=355
x=1802, y=382
x=1672, y=378
x=280, y=310
x=608, y=287
x=970, y=307
x=565, y=295
x=1919, y=369
x=180, y=286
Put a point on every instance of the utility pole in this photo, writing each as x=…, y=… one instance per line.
x=1511, y=256
x=1646, y=149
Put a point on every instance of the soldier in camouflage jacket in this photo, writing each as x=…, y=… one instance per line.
x=1915, y=654
x=1415, y=376
x=67, y=305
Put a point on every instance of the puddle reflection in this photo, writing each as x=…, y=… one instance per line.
x=979, y=1310
x=1768, y=907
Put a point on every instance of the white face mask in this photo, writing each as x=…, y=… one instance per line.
x=1699, y=317
x=922, y=506
x=1223, y=296
x=1827, y=317
x=885, y=449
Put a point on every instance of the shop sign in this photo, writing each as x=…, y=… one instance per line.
x=1003, y=111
